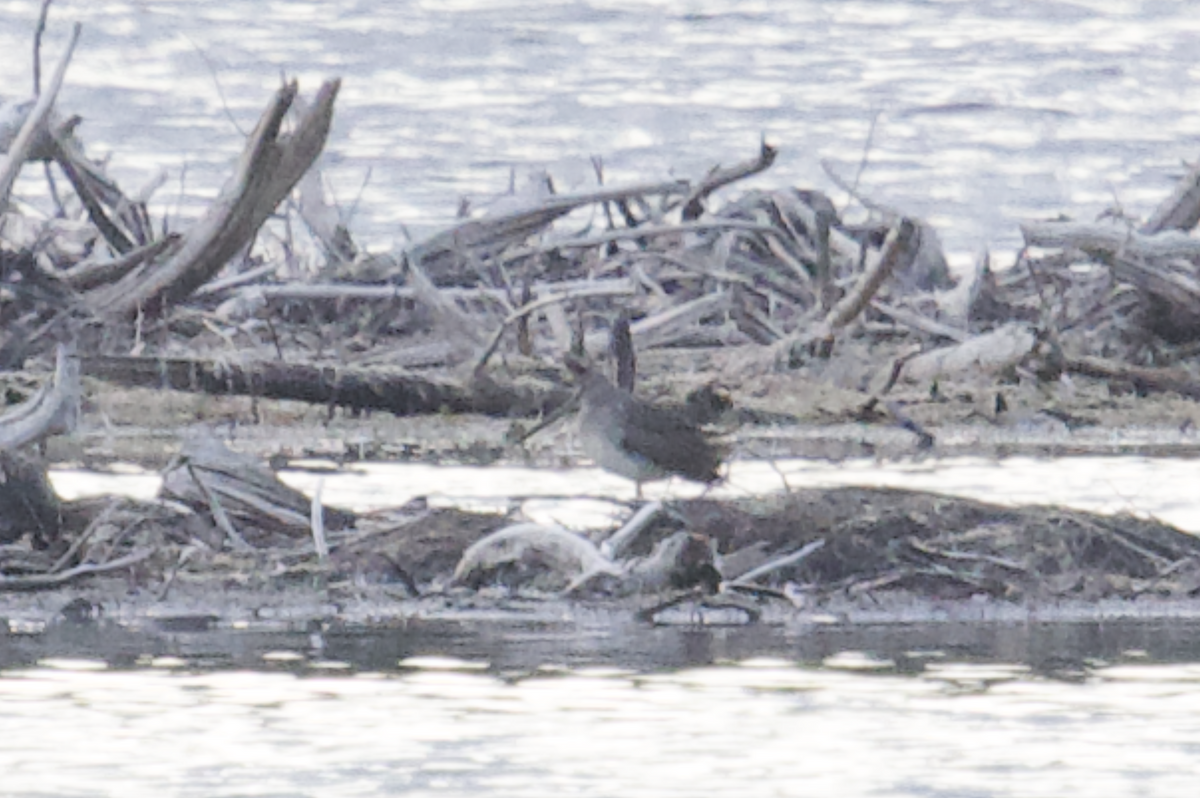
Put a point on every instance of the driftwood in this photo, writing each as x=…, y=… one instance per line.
x=1110, y=239
x=990, y=353
x=270, y=166
x=446, y=256
x=98, y=273
x=52, y=410
x=28, y=504
x=35, y=127
x=245, y=498
x=44, y=136
x=1181, y=210
x=898, y=251
x=693, y=206
x=401, y=393
x=1144, y=379
x=571, y=558
x=48, y=581
x=570, y=563
x=618, y=544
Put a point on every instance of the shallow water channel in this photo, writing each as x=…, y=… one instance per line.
x=594, y=703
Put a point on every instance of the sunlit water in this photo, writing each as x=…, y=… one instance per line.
x=592, y=704
x=1162, y=488
x=991, y=111
x=759, y=728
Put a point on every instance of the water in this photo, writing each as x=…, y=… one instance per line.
x=594, y=703
x=990, y=112
x=1158, y=487
x=761, y=726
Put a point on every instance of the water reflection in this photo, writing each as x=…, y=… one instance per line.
x=1158, y=487
x=595, y=704
x=763, y=726
x=588, y=637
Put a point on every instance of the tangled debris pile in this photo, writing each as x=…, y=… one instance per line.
x=773, y=282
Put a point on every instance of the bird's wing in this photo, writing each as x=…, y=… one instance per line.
x=675, y=448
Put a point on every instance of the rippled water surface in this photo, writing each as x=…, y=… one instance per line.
x=992, y=110
x=760, y=727
x=594, y=703
x=1160, y=487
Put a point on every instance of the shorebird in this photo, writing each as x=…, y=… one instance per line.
x=638, y=440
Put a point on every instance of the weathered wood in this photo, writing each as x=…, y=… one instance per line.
x=270, y=166
x=234, y=486
x=48, y=581
x=989, y=353
x=1111, y=239
x=87, y=276
x=1181, y=210
x=898, y=252
x=442, y=255
x=53, y=410
x=1147, y=379
x=1170, y=297
x=35, y=124
x=398, y=392
x=693, y=206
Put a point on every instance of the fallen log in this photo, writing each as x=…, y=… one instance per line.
x=398, y=392
x=1109, y=239
x=990, y=353
x=1143, y=378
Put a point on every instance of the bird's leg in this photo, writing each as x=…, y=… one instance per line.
x=638, y=486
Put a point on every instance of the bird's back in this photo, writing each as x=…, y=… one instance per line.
x=649, y=441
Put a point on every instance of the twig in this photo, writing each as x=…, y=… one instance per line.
x=646, y=231
x=37, y=89
x=920, y=323
x=619, y=542
x=866, y=154
x=219, y=516
x=968, y=556
x=77, y=544
x=41, y=582
x=782, y=562
x=897, y=248
x=886, y=211
x=212, y=71
x=35, y=124
x=317, y=523
x=622, y=288
x=693, y=206
x=898, y=251
x=37, y=47
x=184, y=556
